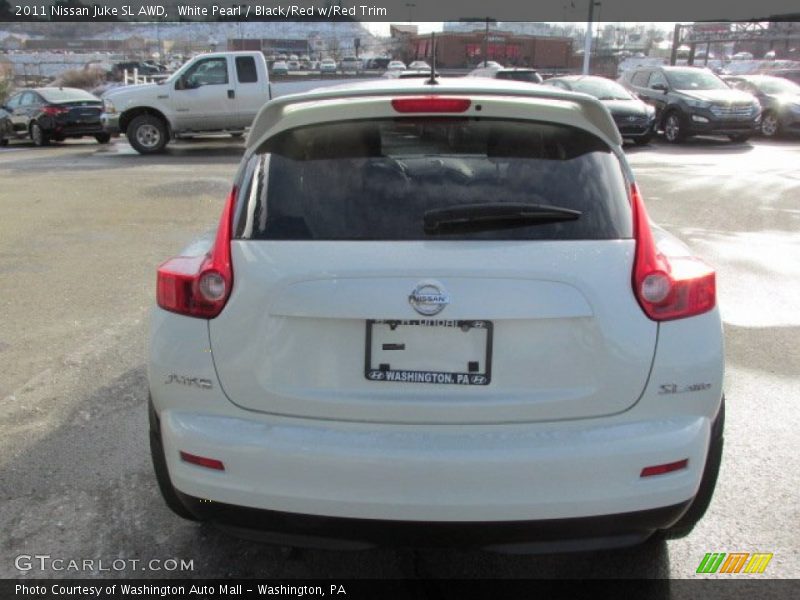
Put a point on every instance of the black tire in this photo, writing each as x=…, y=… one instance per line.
x=702, y=500
x=739, y=138
x=644, y=140
x=103, y=138
x=38, y=136
x=160, y=467
x=674, y=127
x=3, y=141
x=770, y=125
x=147, y=134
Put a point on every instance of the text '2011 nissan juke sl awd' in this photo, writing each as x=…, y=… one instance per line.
x=437, y=314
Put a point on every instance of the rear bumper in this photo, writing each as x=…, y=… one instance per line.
x=554, y=535
x=541, y=472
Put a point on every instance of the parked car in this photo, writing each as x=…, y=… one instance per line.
x=408, y=74
x=55, y=114
x=509, y=73
x=280, y=67
x=350, y=64
x=219, y=92
x=293, y=65
x=792, y=75
x=327, y=65
x=419, y=65
x=6, y=127
x=693, y=101
x=378, y=63
x=140, y=67
x=779, y=99
x=635, y=119
x=396, y=65
x=534, y=361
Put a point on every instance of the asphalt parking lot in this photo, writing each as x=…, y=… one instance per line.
x=82, y=229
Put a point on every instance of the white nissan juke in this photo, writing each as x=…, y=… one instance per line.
x=437, y=314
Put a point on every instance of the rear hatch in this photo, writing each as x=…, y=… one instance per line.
x=433, y=270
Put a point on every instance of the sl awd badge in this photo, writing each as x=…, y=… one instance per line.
x=429, y=298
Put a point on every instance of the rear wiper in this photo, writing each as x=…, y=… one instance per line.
x=493, y=215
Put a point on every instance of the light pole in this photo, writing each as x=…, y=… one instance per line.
x=409, y=6
x=587, y=46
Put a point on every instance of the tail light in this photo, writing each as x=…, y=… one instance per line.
x=54, y=111
x=199, y=286
x=667, y=287
x=431, y=104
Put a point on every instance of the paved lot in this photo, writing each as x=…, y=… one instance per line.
x=82, y=228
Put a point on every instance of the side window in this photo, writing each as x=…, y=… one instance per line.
x=28, y=99
x=211, y=71
x=246, y=69
x=640, y=79
x=14, y=101
x=656, y=78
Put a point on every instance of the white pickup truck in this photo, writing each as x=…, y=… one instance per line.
x=212, y=93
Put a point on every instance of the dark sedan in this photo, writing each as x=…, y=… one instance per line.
x=55, y=114
x=779, y=99
x=6, y=128
x=635, y=119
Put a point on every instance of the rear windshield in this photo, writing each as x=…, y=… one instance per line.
x=60, y=96
x=378, y=179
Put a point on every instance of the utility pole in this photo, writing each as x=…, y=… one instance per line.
x=587, y=46
x=486, y=44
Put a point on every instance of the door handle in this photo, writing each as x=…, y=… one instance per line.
x=231, y=94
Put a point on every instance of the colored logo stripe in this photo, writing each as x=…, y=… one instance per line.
x=734, y=562
x=758, y=563
x=711, y=562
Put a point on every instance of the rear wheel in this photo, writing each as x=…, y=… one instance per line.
x=160, y=467
x=3, y=141
x=103, y=138
x=739, y=138
x=673, y=128
x=147, y=134
x=702, y=500
x=770, y=125
x=39, y=137
x=644, y=140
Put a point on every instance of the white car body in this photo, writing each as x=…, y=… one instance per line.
x=396, y=65
x=229, y=103
x=327, y=65
x=585, y=390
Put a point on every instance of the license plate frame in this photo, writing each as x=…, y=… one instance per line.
x=385, y=374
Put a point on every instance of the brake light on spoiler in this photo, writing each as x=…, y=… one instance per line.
x=199, y=286
x=667, y=287
x=431, y=104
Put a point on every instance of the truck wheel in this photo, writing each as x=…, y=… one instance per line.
x=147, y=134
x=103, y=138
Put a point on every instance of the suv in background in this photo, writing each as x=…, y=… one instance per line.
x=512, y=73
x=693, y=101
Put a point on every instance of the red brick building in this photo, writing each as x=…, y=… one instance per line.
x=457, y=50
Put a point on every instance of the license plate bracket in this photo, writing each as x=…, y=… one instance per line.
x=433, y=351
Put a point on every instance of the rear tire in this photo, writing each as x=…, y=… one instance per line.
x=160, y=467
x=147, y=134
x=739, y=138
x=38, y=136
x=103, y=138
x=3, y=141
x=674, y=129
x=702, y=500
x=644, y=140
